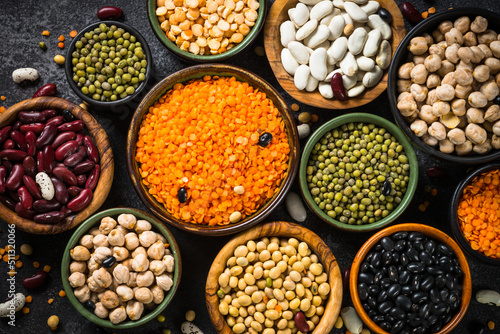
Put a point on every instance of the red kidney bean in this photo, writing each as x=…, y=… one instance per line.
x=15, y=178
x=49, y=113
x=37, y=128
x=436, y=172
x=65, y=175
x=13, y=154
x=66, y=150
x=56, y=120
x=39, y=162
x=46, y=90
x=92, y=150
x=4, y=133
x=410, y=13
x=3, y=175
x=29, y=166
x=61, y=192
x=7, y=164
x=65, y=211
x=49, y=217
x=22, y=212
x=81, y=200
x=25, y=198
x=31, y=117
x=76, y=157
x=32, y=187
x=300, y=322
x=109, y=13
x=71, y=126
x=345, y=277
x=47, y=136
x=35, y=281
x=79, y=138
x=62, y=138
x=30, y=142
x=68, y=115
x=74, y=190
x=93, y=177
x=49, y=161
x=19, y=139
x=9, y=144
x=13, y=195
x=338, y=87
x=81, y=180
x=42, y=205
x=83, y=167
x=17, y=125
x=9, y=203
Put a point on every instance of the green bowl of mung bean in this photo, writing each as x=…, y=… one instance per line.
x=108, y=64
x=358, y=172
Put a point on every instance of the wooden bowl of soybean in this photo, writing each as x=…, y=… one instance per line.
x=284, y=231
x=272, y=43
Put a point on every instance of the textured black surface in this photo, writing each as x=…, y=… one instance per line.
x=22, y=24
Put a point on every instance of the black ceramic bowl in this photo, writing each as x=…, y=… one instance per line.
x=457, y=232
x=130, y=100
x=400, y=57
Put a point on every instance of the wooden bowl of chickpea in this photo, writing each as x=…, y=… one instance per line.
x=444, y=83
x=282, y=275
x=203, y=31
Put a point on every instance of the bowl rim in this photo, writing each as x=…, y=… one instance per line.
x=106, y=162
x=399, y=58
x=68, y=65
x=357, y=118
x=429, y=231
x=198, y=71
x=173, y=48
x=85, y=227
x=457, y=195
x=279, y=229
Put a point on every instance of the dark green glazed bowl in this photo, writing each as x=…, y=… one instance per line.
x=356, y=118
x=172, y=47
x=95, y=221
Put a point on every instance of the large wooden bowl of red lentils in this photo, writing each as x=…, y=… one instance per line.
x=212, y=149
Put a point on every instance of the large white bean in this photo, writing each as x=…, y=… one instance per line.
x=295, y=207
x=289, y=63
x=372, y=43
x=338, y=3
x=306, y=30
x=310, y=2
x=299, y=52
x=338, y=48
x=325, y=89
x=304, y=130
x=351, y=320
x=317, y=64
x=190, y=328
x=371, y=7
x=46, y=186
x=320, y=35
x=301, y=76
x=490, y=297
x=336, y=27
x=26, y=73
x=312, y=83
x=327, y=19
x=348, y=64
x=349, y=81
x=359, y=2
x=325, y=45
x=347, y=19
x=356, y=90
x=321, y=10
x=372, y=77
x=287, y=33
x=300, y=14
x=376, y=22
x=356, y=13
x=357, y=40
x=383, y=58
x=330, y=75
x=365, y=63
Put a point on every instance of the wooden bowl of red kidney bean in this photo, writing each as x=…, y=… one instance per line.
x=56, y=165
x=410, y=278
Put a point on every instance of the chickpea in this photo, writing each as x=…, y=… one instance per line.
x=426, y=114
x=127, y=263
x=403, y=85
x=121, y=229
x=142, y=226
x=454, y=36
x=486, y=50
x=420, y=59
x=147, y=238
x=157, y=267
x=93, y=286
x=437, y=36
x=475, y=133
x=140, y=263
x=134, y=309
x=445, y=26
x=118, y=315
x=76, y=279
x=446, y=146
x=440, y=108
x=94, y=231
x=407, y=106
x=405, y=70
x=86, y=241
x=169, y=260
x=465, y=54
x=479, y=25
x=496, y=128
x=495, y=142
x=481, y=73
x=164, y=281
x=456, y=136
x=464, y=149
x=116, y=238
x=124, y=293
x=449, y=79
x=80, y=253
x=82, y=293
x=120, y=253
x=131, y=241
x=451, y=53
x=77, y=267
x=458, y=107
x=418, y=45
x=477, y=54
x=139, y=250
x=145, y=279
x=127, y=220
x=437, y=50
x=493, y=64
x=412, y=117
x=110, y=299
x=100, y=240
x=445, y=92
x=487, y=37
x=419, y=127
x=492, y=114
x=477, y=99
x=466, y=66
x=158, y=294
x=101, y=253
x=92, y=264
x=429, y=140
x=162, y=238
x=107, y=224
x=470, y=39
x=432, y=63
x=490, y=90
x=433, y=80
x=144, y=295
x=446, y=67
x=419, y=74
x=437, y=130
x=450, y=120
x=431, y=97
x=463, y=76
x=102, y=277
x=462, y=92
x=132, y=277
x=156, y=250
x=101, y=311
x=462, y=24
x=483, y=148
x=419, y=92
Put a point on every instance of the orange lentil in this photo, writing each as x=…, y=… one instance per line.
x=46, y=268
x=19, y=264
x=479, y=213
x=26, y=310
x=2, y=109
x=12, y=272
x=278, y=308
x=73, y=33
x=202, y=136
x=425, y=14
x=50, y=301
x=434, y=192
x=422, y=207
x=6, y=258
x=491, y=325
x=2, y=251
x=17, y=257
x=62, y=293
x=3, y=98
x=9, y=247
x=61, y=38
x=314, y=118
x=295, y=107
x=60, y=45
x=432, y=10
x=29, y=299
x=36, y=264
x=45, y=33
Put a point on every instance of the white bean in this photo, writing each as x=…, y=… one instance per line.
x=295, y=207
x=336, y=27
x=357, y=40
x=300, y=14
x=303, y=130
x=299, y=52
x=46, y=185
x=490, y=297
x=325, y=89
x=17, y=302
x=355, y=12
x=383, y=58
x=347, y=18
x=310, y=2
x=327, y=19
x=330, y=75
x=26, y=73
x=338, y=3
x=301, y=76
x=287, y=33
x=338, y=48
x=372, y=43
x=371, y=7
x=365, y=63
x=356, y=90
x=306, y=30
x=289, y=63
x=372, y=77
x=312, y=83
x=317, y=64
x=349, y=81
x=351, y=320
x=376, y=22
x=321, y=10
x=190, y=328
x=348, y=64
x=359, y=2
x=320, y=35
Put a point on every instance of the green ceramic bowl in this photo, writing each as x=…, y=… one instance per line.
x=155, y=24
x=356, y=118
x=95, y=221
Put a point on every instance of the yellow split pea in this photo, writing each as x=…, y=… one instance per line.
x=202, y=136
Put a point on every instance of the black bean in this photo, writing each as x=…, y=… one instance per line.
x=444, y=293
x=364, y=267
x=404, y=260
x=406, y=330
x=397, y=327
x=69, y=117
x=404, y=277
x=265, y=139
x=385, y=325
x=403, y=302
x=420, y=330
x=452, y=298
x=373, y=290
x=89, y=305
x=378, y=247
x=393, y=273
x=372, y=302
x=434, y=295
x=378, y=276
x=400, y=236
x=376, y=260
x=438, y=308
x=398, y=313
x=430, y=246
x=378, y=319
x=415, y=267
x=395, y=257
x=371, y=313
x=382, y=296
x=182, y=195
x=109, y=261
x=418, y=245
x=365, y=278
x=394, y=290
x=412, y=254
x=415, y=282
x=406, y=289
x=427, y=283
x=419, y=297
x=424, y=310
x=389, y=318
x=451, y=282
x=440, y=281
x=414, y=320
x=414, y=236
x=445, y=250
x=426, y=258
x=386, y=188
x=457, y=270
x=434, y=270
x=387, y=243
x=432, y=319
x=400, y=245
x=446, y=264
x=436, y=327
x=385, y=306
x=386, y=258
x=447, y=317
x=363, y=291
x=385, y=282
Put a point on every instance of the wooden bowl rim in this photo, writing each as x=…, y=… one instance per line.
x=199, y=71
x=107, y=164
x=277, y=229
x=273, y=49
x=429, y=231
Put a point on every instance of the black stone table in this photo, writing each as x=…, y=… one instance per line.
x=22, y=24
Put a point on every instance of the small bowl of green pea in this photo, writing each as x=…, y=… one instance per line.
x=358, y=172
x=108, y=64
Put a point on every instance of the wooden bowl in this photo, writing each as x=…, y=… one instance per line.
x=279, y=14
x=101, y=191
x=196, y=72
x=285, y=230
x=430, y=232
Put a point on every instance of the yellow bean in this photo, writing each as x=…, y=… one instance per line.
x=59, y=59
